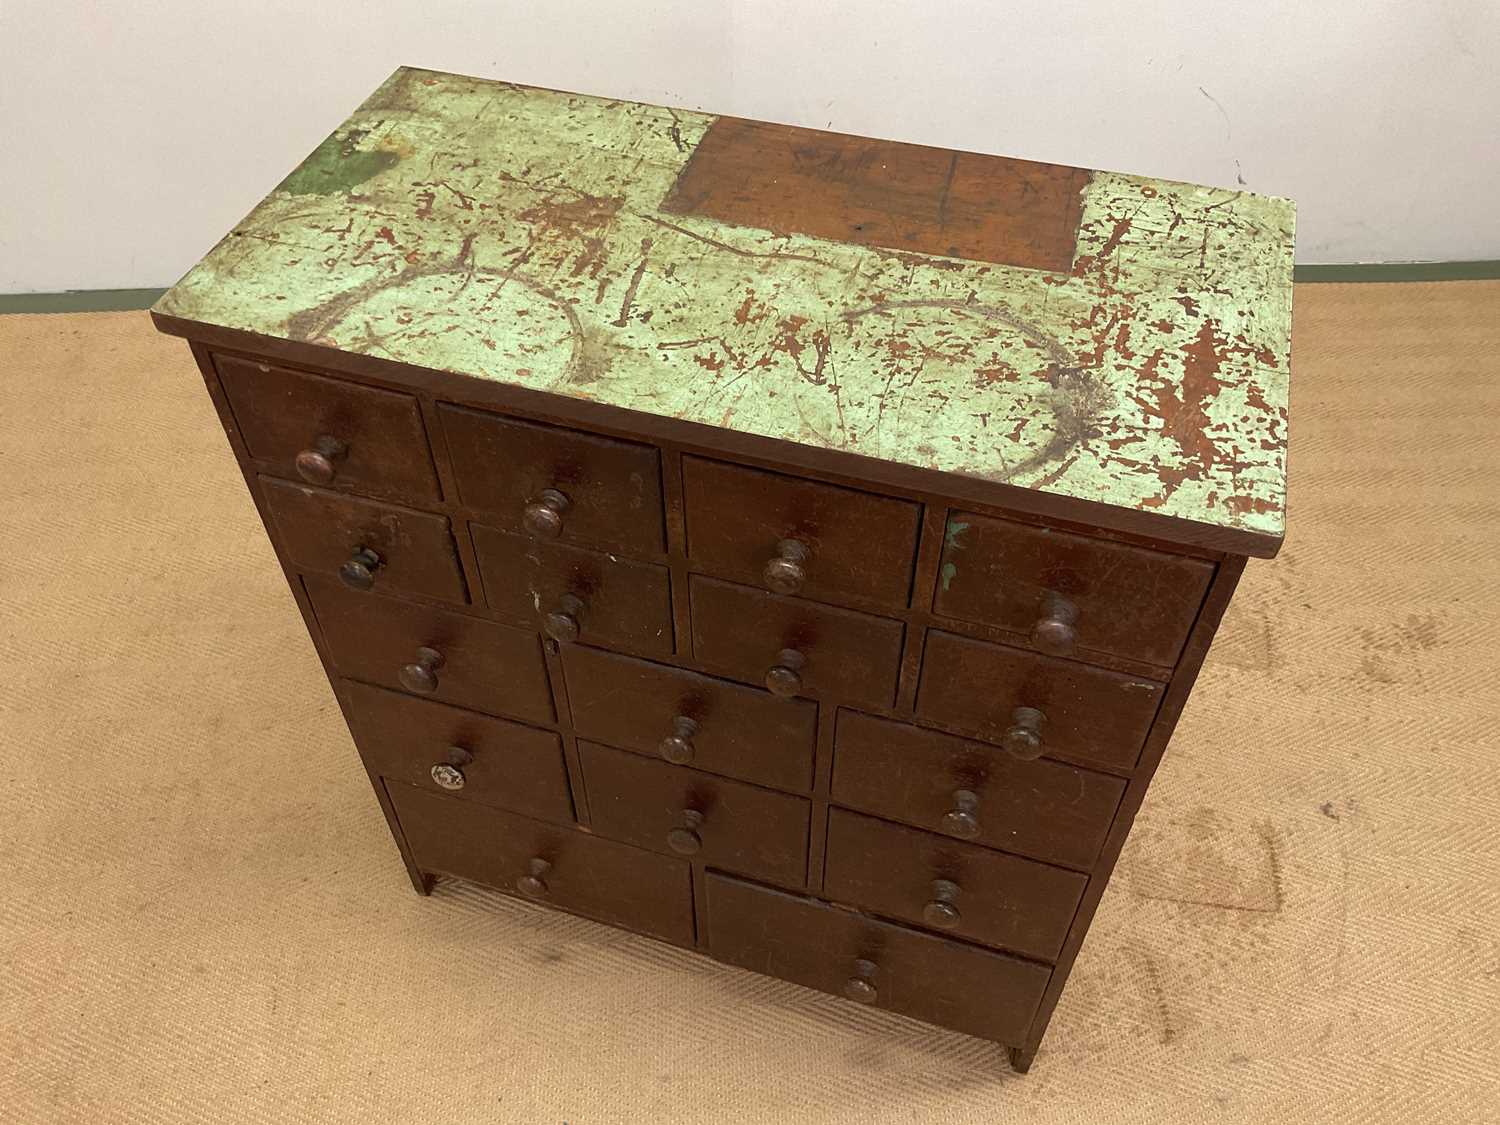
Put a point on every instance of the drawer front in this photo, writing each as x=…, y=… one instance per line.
x=449, y=750
x=1125, y=600
x=840, y=654
x=330, y=432
x=325, y=531
x=1040, y=808
x=918, y=974
x=561, y=867
x=612, y=488
x=481, y=665
x=853, y=544
x=735, y=731
x=680, y=811
x=961, y=889
x=614, y=601
x=1088, y=714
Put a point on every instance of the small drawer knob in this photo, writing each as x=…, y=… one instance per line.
x=785, y=573
x=677, y=747
x=421, y=674
x=319, y=462
x=940, y=912
x=543, y=517
x=1054, y=632
x=449, y=774
x=1024, y=738
x=962, y=820
x=561, y=623
x=785, y=677
x=358, y=571
x=533, y=884
x=685, y=839
x=861, y=986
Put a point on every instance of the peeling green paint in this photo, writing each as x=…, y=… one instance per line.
x=947, y=574
x=951, y=540
x=515, y=234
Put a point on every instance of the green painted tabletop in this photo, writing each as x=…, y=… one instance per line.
x=518, y=234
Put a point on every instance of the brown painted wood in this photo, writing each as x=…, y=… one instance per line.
x=323, y=531
x=613, y=487
x=739, y=731
x=988, y=994
x=1042, y=809
x=1129, y=601
x=381, y=442
x=486, y=667
x=560, y=867
x=739, y=632
x=1090, y=714
x=620, y=602
x=857, y=545
x=496, y=762
x=675, y=810
x=995, y=899
x=789, y=180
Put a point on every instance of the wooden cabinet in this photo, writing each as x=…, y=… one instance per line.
x=793, y=546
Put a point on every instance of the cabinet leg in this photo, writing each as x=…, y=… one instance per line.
x=421, y=882
x=1020, y=1059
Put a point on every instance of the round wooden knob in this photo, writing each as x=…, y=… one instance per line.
x=1024, y=738
x=963, y=819
x=861, y=986
x=1054, y=631
x=533, y=884
x=785, y=677
x=449, y=773
x=543, y=517
x=319, y=462
x=561, y=624
x=677, y=747
x=421, y=674
x=685, y=840
x=940, y=912
x=358, y=572
x=785, y=573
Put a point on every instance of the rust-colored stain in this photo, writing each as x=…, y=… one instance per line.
x=1087, y=334
x=788, y=180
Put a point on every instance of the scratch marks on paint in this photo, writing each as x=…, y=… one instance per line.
x=516, y=235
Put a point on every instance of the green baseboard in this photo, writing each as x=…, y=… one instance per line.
x=1401, y=271
x=116, y=300
x=79, y=300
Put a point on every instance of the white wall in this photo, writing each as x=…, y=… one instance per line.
x=134, y=133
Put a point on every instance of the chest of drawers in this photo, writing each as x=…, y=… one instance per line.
x=790, y=546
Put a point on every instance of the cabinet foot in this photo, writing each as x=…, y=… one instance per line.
x=1020, y=1059
x=420, y=881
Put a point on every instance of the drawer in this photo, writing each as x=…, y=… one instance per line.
x=798, y=536
x=331, y=432
x=448, y=749
x=468, y=662
x=1088, y=714
x=731, y=730
x=610, y=489
x=575, y=594
x=1040, y=808
x=330, y=533
x=680, y=811
x=1070, y=592
x=962, y=889
x=918, y=974
x=562, y=867
x=793, y=646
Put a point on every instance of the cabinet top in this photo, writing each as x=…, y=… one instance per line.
x=1089, y=335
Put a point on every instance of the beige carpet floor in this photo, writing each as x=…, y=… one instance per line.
x=203, y=918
